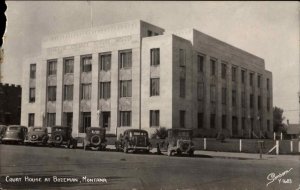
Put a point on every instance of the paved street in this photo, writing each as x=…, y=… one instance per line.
x=139, y=171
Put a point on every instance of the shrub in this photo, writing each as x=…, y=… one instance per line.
x=160, y=133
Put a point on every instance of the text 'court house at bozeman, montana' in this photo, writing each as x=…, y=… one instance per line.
x=136, y=75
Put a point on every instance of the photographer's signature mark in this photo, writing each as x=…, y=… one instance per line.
x=272, y=177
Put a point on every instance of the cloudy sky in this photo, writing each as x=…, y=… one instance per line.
x=269, y=30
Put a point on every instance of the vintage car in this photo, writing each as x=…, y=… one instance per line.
x=14, y=134
x=61, y=135
x=179, y=141
x=2, y=131
x=37, y=135
x=133, y=140
x=95, y=138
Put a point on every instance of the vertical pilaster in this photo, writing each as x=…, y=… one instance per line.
x=95, y=97
x=59, y=90
x=219, y=96
x=76, y=97
x=207, y=93
x=114, y=91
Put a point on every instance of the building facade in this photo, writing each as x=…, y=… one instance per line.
x=134, y=75
x=10, y=104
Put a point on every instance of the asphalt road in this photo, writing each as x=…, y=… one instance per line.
x=117, y=170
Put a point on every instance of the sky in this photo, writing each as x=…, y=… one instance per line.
x=269, y=30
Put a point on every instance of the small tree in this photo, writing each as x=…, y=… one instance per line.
x=278, y=119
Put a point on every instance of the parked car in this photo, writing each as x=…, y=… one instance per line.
x=95, y=138
x=179, y=141
x=14, y=134
x=2, y=131
x=61, y=135
x=37, y=135
x=135, y=140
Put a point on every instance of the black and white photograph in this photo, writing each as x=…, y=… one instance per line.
x=146, y=95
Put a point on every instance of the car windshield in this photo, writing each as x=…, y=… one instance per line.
x=136, y=133
x=185, y=134
x=95, y=131
x=58, y=129
x=13, y=128
x=38, y=129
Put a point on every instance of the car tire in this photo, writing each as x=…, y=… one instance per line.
x=170, y=152
x=58, y=138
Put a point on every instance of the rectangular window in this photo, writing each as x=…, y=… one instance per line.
x=233, y=74
x=154, y=57
x=268, y=103
x=68, y=92
x=200, y=61
x=243, y=99
x=258, y=102
x=182, y=118
x=125, y=59
x=224, y=70
x=32, y=71
x=268, y=84
x=85, y=121
x=51, y=119
x=200, y=90
x=154, y=118
x=69, y=65
x=200, y=120
x=51, y=93
x=243, y=123
x=182, y=58
x=125, y=118
x=31, y=120
x=52, y=67
x=68, y=119
x=86, y=63
x=243, y=76
x=213, y=93
x=125, y=88
x=86, y=91
x=251, y=79
x=233, y=98
x=154, y=87
x=104, y=90
x=224, y=124
x=31, y=95
x=182, y=88
x=105, y=62
x=268, y=125
x=224, y=91
x=212, y=121
x=212, y=67
x=258, y=81
x=251, y=101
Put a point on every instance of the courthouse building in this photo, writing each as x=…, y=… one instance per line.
x=136, y=75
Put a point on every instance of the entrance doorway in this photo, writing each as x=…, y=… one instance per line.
x=105, y=119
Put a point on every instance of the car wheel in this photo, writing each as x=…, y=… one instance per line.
x=171, y=153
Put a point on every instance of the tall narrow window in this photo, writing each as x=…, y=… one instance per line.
x=212, y=120
x=68, y=92
x=69, y=65
x=125, y=88
x=85, y=121
x=251, y=79
x=224, y=124
x=268, y=103
x=125, y=59
x=155, y=57
x=212, y=67
x=243, y=123
x=200, y=90
x=233, y=74
x=258, y=81
x=212, y=93
x=182, y=88
x=258, y=102
x=86, y=91
x=104, y=90
x=31, y=95
x=52, y=67
x=182, y=118
x=268, y=84
x=233, y=98
x=200, y=63
x=51, y=93
x=268, y=125
x=154, y=118
x=224, y=91
x=154, y=87
x=51, y=119
x=125, y=118
x=182, y=58
x=224, y=70
x=31, y=120
x=243, y=99
x=105, y=62
x=200, y=120
x=251, y=101
x=86, y=63
x=243, y=72
x=32, y=71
